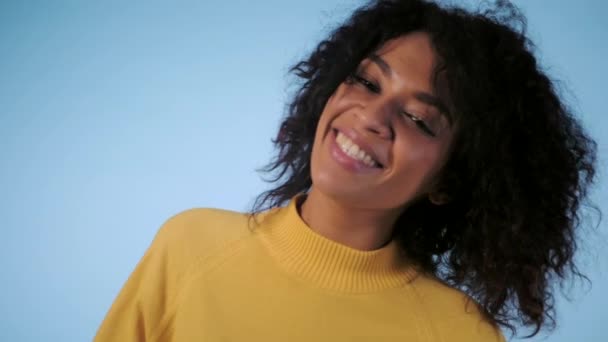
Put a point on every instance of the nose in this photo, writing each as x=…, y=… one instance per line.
x=375, y=118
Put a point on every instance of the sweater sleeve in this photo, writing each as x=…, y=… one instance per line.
x=144, y=307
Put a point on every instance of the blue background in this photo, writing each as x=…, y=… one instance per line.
x=115, y=115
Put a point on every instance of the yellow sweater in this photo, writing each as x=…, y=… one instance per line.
x=209, y=277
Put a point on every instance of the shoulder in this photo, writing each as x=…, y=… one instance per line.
x=455, y=315
x=195, y=234
x=208, y=223
x=182, y=247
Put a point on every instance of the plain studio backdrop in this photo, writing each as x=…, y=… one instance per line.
x=116, y=115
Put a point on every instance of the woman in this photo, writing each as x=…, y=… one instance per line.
x=428, y=182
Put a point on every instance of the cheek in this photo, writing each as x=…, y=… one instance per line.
x=323, y=126
x=417, y=163
x=329, y=110
x=334, y=105
x=344, y=97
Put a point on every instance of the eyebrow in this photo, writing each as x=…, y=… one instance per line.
x=423, y=97
x=381, y=63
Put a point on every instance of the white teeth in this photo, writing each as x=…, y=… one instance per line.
x=347, y=144
x=353, y=150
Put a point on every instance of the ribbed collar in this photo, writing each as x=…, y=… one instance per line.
x=326, y=263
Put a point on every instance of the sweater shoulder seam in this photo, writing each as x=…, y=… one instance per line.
x=198, y=267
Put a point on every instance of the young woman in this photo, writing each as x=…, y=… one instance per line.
x=428, y=183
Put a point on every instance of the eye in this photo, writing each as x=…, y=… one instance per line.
x=420, y=123
x=370, y=85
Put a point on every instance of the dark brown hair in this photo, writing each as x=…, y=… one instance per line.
x=520, y=167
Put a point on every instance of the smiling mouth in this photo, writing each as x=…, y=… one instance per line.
x=348, y=147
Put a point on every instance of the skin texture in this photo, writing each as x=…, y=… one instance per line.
x=380, y=108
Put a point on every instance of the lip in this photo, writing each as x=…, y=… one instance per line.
x=355, y=137
x=347, y=161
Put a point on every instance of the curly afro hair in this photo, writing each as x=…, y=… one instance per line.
x=520, y=167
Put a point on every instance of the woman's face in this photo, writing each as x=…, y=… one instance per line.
x=384, y=134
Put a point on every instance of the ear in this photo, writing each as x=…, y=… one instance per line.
x=439, y=198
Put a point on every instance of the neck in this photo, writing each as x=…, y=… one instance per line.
x=362, y=229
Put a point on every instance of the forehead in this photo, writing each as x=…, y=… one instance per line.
x=411, y=56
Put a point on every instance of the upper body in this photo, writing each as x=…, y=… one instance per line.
x=435, y=155
x=209, y=277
